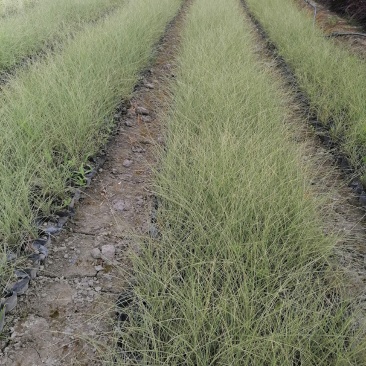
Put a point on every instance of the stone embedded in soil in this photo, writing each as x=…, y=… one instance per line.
x=138, y=149
x=362, y=199
x=108, y=251
x=129, y=123
x=122, y=205
x=143, y=111
x=21, y=286
x=146, y=119
x=145, y=142
x=96, y=253
x=10, y=256
x=149, y=85
x=130, y=114
x=127, y=163
x=10, y=302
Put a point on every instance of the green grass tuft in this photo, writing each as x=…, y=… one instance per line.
x=30, y=30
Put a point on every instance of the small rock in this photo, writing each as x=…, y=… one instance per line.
x=108, y=251
x=362, y=199
x=21, y=286
x=139, y=201
x=130, y=113
x=127, y=163
x=52, y=230
x=96, y=254
x=122, y=205
x=146, y=119
x=66, y=256
x=129, y=123
x=10, y=256
x=10, y=302
x=98, y=268
x=359, y=188
x=142, y=110
x=149, y=86
x=153, y=231
x=138, y=149
x=98, y=289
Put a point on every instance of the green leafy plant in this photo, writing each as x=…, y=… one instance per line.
x=79, y=177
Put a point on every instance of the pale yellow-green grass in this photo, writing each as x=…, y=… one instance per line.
x=333, y=79
x=10, y=7
x=241, y=273
x=35, y=27
x=58, y=112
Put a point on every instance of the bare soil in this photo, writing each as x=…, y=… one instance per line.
x=68, y=313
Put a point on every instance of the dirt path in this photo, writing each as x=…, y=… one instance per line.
x=341, y=211
x=67, y=315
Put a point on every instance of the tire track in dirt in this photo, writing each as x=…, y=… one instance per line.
x=67, y=316
x=341, y=211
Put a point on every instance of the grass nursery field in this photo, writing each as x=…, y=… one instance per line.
x=241, y=272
